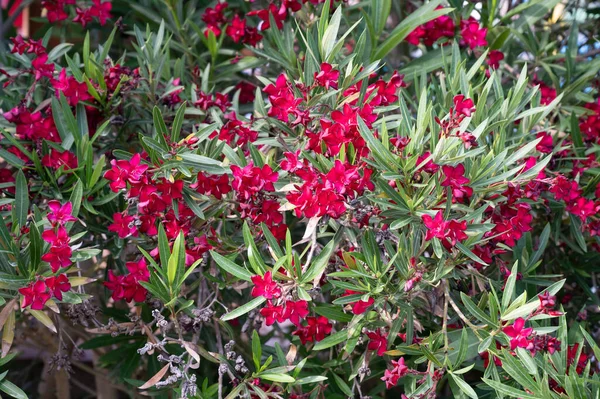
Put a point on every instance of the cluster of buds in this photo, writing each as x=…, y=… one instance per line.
x=230, y=354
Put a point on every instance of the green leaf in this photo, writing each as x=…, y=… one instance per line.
x=12, y=390
x=230, y=267
x=508, y=390
x=332, y=340
x=245, y=308
x=178, y=122
x=21, y=204
x=462, y=349
x=36, y=246
x=256, y=260
x=319, y=263
x=330, y=34
x=277, y=377
x=176, y=262
x=311, y=379
x=342, y=385
x=509, y=288
x=469, y=253
x=466, y=388
x=164, y=251
x=256, y=349
x=475, y=310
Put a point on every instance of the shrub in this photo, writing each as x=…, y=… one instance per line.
x=304, y=198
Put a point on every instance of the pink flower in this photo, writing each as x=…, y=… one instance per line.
x=57, y=285
x=518, y=335
x=35, y=294
x=473, y=35
x=71, y=88
x=456, y=180
x=295, y=311
x=462, y=106
x=391, y=377
x=436, y=226
x=124, y=171
x=265, y=286
x=60, y=214
x=123, y=225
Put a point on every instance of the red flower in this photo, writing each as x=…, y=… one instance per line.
x=377, y=342
x=546, y=144
x=236, y=28
x=548, y=93
x=56, y=160
x=123, y=225
x=58, y=237
x=462, y=106
x=294, y=311
x=83, y=16
x=583, y=208
x=71, y=88
x=494, y=58
x=265, y=286
x=359, y=307
x=456, y=180
x=60, y=214
x=251, y=179
x=272, y=313
x=55, y=9
x=101, y=10
x=429, y=166
x=59, y=256
x=127, y=287
x=436, y=226
x=40, y=67
x=278, y=15
x=216, y=185
x=456, y=232
x=214, y=16
x=35, y=294
x=519, y=335
x=57, y=285
x=214, y=29
x=315, y=331
x=565, y=190
x=327, y=77
x=473, y=35
x=124, y=171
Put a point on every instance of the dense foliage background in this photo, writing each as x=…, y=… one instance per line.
x=300, y=199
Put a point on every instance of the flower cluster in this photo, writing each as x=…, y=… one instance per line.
x=37, y=293
x=60, y=252
x=97, y=10
x=128, y=286
x=237, y=28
